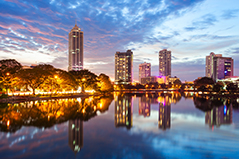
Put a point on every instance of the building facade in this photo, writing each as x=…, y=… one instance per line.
x=76, y=50
x=164, y=63
x=123, y=67
x=154, y=79
x=144, y=70
x=218, y=67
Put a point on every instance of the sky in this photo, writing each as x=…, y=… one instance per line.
x=36, y=32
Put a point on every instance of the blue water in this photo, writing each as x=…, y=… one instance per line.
x=129, y=127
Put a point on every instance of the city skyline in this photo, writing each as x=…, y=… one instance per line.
x=37, y=32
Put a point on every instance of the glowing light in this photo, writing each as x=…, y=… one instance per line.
x=225, y=110
x=8, y=123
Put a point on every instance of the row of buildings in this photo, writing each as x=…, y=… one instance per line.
x=124, y=67
x=123, y=61
x=217, y=67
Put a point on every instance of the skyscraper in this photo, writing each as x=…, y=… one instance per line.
x=144, y=70
x=164, y=63
x=75, y=49
x=123, y=67
x=218, y=67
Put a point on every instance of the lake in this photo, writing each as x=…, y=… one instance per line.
x=138, y=126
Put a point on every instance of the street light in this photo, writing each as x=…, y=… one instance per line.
x=82, y=85
x=7, y=80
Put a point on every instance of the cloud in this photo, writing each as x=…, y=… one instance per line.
x=229, y=14
x=202, y=23
x=42, y=27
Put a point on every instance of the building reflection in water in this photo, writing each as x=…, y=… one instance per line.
x=144, y=106
x=164, y=113
x=75, y=134
x=218, y=111
x=219, y=115
x=123, y=111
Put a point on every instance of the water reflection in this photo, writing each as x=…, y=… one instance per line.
x=218, y=111
x=45, y=114
x=144, y=116
x=123, y=111
x=75, y=134
x=145, y=105
x=164, y=115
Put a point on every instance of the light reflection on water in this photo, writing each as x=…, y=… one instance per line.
x=130, y=126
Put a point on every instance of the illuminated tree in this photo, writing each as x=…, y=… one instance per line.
x=8, y=69
x=34, y=78
x=85, y=79
x=177, y=83
x=64, y=80
x=105, y=83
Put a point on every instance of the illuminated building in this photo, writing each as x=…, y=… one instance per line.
x=123, y=67
x=75, y=134
x=144, y=106
x=75, y=49
x=164, y=63
x=164, y=113
x=218, y=67
x=144, y=70
x=154, y=79
x=219, y=115
x=123, y=112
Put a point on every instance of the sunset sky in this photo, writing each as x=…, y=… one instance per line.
x=37, y=32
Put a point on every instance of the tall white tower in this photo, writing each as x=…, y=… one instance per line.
x=76, y=51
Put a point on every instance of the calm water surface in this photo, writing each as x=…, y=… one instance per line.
x=124, y=126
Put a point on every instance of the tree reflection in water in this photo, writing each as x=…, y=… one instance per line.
x=50, y=112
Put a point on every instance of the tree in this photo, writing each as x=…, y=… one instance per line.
x=177, y=83
x=85, y=79
x=9, y=66
x=232, y=87
x=105, y=83
x=8, y=69
x=205, y=81
x=34, y=78
x=163, y=86
x=65, y=80
x=218, y=87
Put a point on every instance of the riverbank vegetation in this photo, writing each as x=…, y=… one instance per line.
x=44, y=78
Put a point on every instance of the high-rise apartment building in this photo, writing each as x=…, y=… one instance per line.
x=218, y=67
x=123, y=67
x=164, y=63
x=75, y=49
x=144, y=70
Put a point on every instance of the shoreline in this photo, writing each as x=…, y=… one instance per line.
x=17, y=99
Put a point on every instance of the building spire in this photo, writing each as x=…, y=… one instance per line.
x=75, y=22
